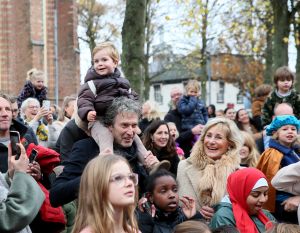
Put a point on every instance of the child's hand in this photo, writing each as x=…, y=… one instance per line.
x=141, y=206
x=189, y=206
x=91, y=116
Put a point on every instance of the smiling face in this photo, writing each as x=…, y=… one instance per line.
x=121, y=194
x=243, y=116
x=215, y=142
x=230, y=114
x=103, y=63
x=165, y=194
x=31, y=110
x=256, y=200
x=161, y=137
x=124, y=128
x=287, y=135
x=38, y=82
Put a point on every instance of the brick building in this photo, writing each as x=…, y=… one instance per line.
x=27, y=40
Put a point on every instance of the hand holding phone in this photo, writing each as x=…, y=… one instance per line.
x=33, y=155
x=14, y=139
x=46, y=104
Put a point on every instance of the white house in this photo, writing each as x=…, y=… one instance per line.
x=222, y=94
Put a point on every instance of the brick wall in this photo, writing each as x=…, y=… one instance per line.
x=23, y=45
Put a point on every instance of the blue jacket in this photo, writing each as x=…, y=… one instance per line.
x=193, y=112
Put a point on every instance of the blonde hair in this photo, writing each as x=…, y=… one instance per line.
x=34, y=74
x=192, y=226
x=170, y=124
x=112, y=50
x=249, y=142
x=284, y=228
x=230, y=130
x=62, y=112
x=192, y=84
x=94, y=208
x=153, y=113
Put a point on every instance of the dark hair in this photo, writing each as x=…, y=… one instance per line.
x=169, y=150
x=262, y=90
x=239, y=124
x=226, y=229
x=151, y=180
x=226, y=109
x=283, y=73
x=213, y=107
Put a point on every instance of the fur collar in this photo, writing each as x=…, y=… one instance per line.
x=212, y=183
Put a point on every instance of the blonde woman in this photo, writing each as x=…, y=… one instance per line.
x=214, y=157
x=107, y=197
x=248, y=153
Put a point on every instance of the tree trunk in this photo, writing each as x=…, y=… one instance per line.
x=268, y=72
x=281, y=32
x=133, y=40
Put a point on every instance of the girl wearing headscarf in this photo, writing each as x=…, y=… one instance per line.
x=247, y=192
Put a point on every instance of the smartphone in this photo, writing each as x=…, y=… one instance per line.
x=14, y=139
x=46, y=104
x=33, y=155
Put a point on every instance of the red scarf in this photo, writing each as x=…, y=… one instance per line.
x=239, y=186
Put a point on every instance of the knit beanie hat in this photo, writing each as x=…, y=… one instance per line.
x=280, y=121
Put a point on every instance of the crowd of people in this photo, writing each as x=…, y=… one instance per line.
x=104, y=162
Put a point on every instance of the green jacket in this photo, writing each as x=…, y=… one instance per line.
x=19, y=203
x=268, y=109
x=224, y=216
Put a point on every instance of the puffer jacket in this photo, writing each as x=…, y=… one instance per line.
x=29, y=91
x=108, y=87
x=193, y=112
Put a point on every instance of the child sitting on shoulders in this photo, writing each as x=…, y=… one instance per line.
x=191, y=108
x=284, y=80
x=104, y=83
x=34, y=87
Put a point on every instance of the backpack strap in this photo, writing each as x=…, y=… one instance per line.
x=92, y=87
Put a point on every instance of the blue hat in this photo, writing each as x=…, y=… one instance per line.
x=280, y=121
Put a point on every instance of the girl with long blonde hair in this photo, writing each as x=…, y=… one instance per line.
x=248, y=153
x=107, y=197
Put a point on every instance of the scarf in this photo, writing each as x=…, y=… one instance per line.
x=212, y=183
x=42, y=132
x=239, y=186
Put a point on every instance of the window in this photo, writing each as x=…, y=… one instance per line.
x=239, y=98
x=157, y=94
x=220, y=94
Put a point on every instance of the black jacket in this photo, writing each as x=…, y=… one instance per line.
x=185, y=139
x=66, y=186
x=70, y=134
x=27, y=136
x=162, y=222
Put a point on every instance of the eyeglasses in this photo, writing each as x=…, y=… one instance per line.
x=32, y=107
x=120, y=179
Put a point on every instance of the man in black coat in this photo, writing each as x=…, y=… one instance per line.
x=122, y=120
x=185, y=139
